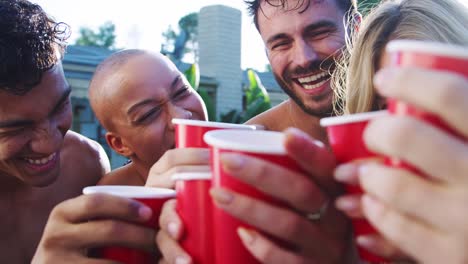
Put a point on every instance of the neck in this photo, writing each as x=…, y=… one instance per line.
x=140, y=170
x=307, y=122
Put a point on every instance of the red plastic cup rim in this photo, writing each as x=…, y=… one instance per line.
x=131, y=191
x=434, y=48
x=202, y=123
x=258, y=141
x=188, y=176
x=353, y=118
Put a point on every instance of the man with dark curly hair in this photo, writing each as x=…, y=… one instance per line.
x=42, y=162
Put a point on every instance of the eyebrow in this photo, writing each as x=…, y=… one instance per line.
x=147, y=101
x=26, y=122
x=311, y=27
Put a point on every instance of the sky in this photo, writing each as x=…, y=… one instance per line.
x=140, y=23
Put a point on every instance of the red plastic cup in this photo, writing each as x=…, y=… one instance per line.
x=189, y=133
x=194, y=206
x=345, y=136
x=265, y=145
x=435, y=56
x=153, y=198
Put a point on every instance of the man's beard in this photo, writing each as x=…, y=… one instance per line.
x=314, y=67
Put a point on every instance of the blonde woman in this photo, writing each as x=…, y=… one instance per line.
x=423, y=218
x=442, y=21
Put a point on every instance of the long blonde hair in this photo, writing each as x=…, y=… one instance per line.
x=443, y=21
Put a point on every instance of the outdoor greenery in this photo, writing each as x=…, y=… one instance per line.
x=104, y=37
x=176, y=45
x=257, y=101
x=366, y=5
x=193, y=77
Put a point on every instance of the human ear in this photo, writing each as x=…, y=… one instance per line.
x=117, y=144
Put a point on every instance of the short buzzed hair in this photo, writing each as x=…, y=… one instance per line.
x=108, y=66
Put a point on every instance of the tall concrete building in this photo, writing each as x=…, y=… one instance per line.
x=219, y=42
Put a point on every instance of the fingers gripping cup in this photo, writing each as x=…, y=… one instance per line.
x=189, y=133
x=345, y=135
x=151, y=197
x=264, y=145
x=194, y=203
x=194, y=207
x=423, y=54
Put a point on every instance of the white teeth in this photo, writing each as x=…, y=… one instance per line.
x=41, y=161
x=310, y=87
x=312, y=78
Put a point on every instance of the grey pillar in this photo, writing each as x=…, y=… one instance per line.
x=220, y=53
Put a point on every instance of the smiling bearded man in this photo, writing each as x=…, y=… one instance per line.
x=302, y=40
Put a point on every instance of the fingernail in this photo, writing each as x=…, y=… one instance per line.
x=345, y=173
x=221, y=196
x=365, y=241
x=182, y=260
x=245, y=235
x=144, y=212
x=232, y=161
x=363, y=169
x=363, y=176
x=347, y=204
x=383, y=77
x=371, y=207
x=173, y=229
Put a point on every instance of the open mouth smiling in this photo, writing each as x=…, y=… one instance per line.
x=41, y=161
x=314, y=80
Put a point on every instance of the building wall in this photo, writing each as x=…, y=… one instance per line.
x=219, y=41
x=220, y=70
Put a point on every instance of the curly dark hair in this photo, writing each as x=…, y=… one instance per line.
x=29, y=42
x=253, y=6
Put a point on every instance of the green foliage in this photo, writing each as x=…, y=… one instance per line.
x=257, y=101
x=365, y=6
x=186, y=39
x=193, y=77
x=104, y=37
x=210, y=106
x=232, y=116
x=257, y=98
x=189, y=24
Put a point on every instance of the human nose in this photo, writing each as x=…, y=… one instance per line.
x=47, y=137
x=304, y=53
x=178, y=112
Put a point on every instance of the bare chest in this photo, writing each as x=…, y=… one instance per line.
x=21, y=228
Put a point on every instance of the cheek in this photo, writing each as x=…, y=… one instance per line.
x=198, y=108
x=195, y=105
x=277, y=62
x=331, y=45
x=9, y=149
x=64, y=121
x=155, y=140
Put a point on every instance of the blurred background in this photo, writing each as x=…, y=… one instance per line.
x=214, y=42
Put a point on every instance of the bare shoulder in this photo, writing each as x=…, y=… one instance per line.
x=85, y=155
x=273, y=119
x=125, y=175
